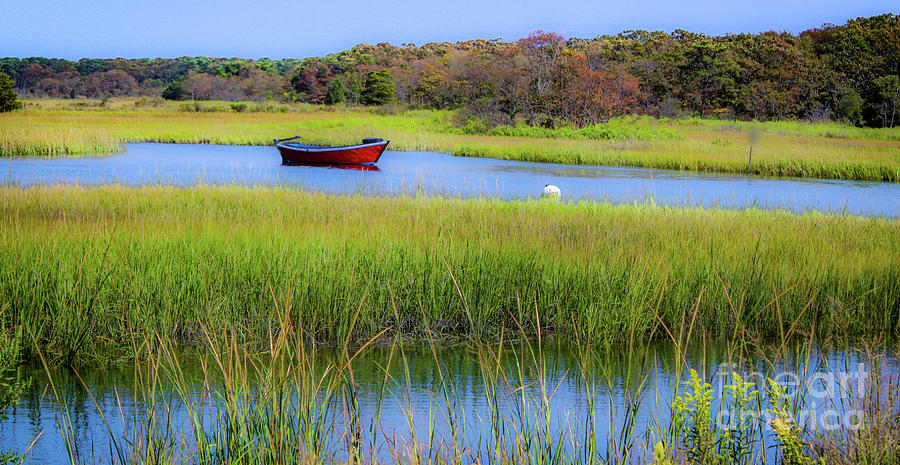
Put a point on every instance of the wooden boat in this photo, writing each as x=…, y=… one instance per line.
x=366, y=153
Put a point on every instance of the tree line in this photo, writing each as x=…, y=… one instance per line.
x=843, y=72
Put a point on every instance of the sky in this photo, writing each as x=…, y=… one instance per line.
x=76, y=29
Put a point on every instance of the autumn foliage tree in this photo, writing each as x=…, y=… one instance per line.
x=601, y=95
x=311, y=83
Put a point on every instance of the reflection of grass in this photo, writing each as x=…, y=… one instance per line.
x=84, y=269
x=297, y=403
x=786, y=149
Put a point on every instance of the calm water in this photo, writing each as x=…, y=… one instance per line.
x=644, y=381
x=443, y=174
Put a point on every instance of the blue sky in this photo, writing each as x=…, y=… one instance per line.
x=276, y=28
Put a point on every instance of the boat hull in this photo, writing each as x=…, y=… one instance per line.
x=351, y=155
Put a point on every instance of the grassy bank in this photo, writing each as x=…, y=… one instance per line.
x=84, y=270
x=59, y=128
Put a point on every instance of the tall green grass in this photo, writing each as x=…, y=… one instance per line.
x=799, y=128
x=615, y=129
x=290, y=404
x=84, y=269
x=50, y=142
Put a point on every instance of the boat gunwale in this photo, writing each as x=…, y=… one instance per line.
x=322, y=148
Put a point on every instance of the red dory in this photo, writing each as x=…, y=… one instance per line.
x=363, y=154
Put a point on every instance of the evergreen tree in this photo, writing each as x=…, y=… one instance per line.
x=379, y=88
x=175, y=91
x=9, y=99
x=848, y=106
x=889, y=91
x=354, y=92
x=335, y=93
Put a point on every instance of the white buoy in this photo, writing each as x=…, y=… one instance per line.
x=551, y=191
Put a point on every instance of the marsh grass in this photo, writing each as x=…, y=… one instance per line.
x=292, y=402
x=50, y=142
x=615, y=129
x=831, y=130
x=105, y=264
x=787, y=148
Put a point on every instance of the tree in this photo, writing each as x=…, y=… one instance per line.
x=310, y=80
x=9, y=99
x=849, y=106
x=379, y=88
x=202, y=86
x=174, y=91
x=433, y=88
x=87, y=66
x=257, y=85
x=32, y=75
x=354, y=92
x=889, y=92
x=540, y=51
x=598, y=96
x=708, y=75
x=229, y=68
x=115, y=83
x=335, y=93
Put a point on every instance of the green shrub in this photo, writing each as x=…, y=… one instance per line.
x=379, y=89
x=189, y=107
x=9, y=99
x=335, y=93
x=786, y=429
x=174, y=91
x=693, y=421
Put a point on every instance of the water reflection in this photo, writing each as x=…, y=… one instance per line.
x=442, y=174
x=334, y=166
x=402, y=387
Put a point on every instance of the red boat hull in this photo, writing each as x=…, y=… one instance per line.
x=354, y=155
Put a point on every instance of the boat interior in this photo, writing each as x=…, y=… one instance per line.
x=366, y=141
